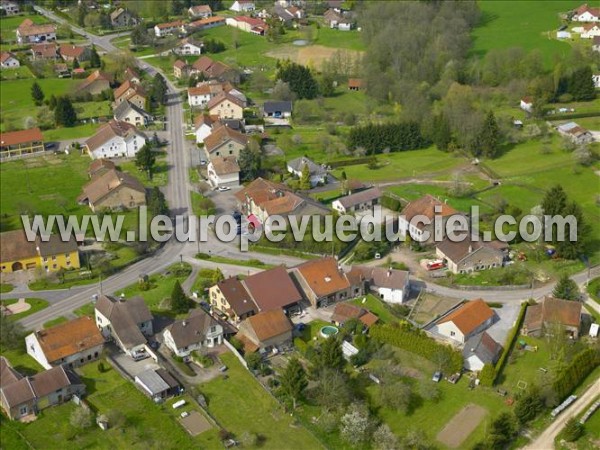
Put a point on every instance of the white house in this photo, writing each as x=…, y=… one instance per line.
x=526, y=104
x=189, y=46
x=465, y=321
x=115, y=139
x=596, y=80
x=127, y=322
x=563, y=34
x=198, y=331
x=318, y=173
x=479, y=350
x=130, y=113
x=243, y=6
x=70, y=344
x=223, y=171
x=8, y=60
x=200, y=11
x=166, y=29
x=391, y=285
x=28, y=32
x=360, y=201
x=586, y=14
x=10, y=8
x=590, y=31
x=203, y=125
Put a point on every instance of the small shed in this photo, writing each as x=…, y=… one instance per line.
x=594, y=330
x=348, y=350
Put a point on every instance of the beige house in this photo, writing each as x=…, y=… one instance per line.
x=226, y=106
x=410, y=221
x=323, y=282
x=465, y=321
x=470, y=255
x=224, y=141
x=131, y=113
x=113, y=190
x=231, y=297
x=180, y=69
x=265, y=331
x=122, y=18
x=132, y=92
x=223, y=171
x=94, y=84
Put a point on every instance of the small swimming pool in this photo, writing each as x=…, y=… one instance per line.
x=328, y=330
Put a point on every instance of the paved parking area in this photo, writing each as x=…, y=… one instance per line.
x=132, y=367
x=508, y=315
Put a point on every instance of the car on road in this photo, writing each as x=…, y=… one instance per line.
x=202, y=162
x=436, y=377
x=223, y=188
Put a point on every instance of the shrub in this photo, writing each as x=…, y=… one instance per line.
x=510, y=341
x=101, y=367
x=573, y=430
x=487, y=375
x=580, y=367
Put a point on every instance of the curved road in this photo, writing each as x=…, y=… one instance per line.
x=177, y=193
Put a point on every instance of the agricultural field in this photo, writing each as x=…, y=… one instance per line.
x=527, y=24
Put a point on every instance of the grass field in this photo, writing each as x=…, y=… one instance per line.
x=57, y=321
x=37, y=304
x=522, y=23
x=377, y=307
x=241, y=405
x=5, y=288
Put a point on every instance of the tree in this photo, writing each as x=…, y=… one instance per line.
x=305, y=178
x=487, y=375
x=64, y=113
x=11, y=333
x=81, y=418
x=95, y=60
x=581, y=84
x=555, y=201
x=300, y=79
x=180, y=303
x=573, y=430
x=293, y=380
x=529, y=406
x=384, y=438
x=217, y=276
x=158, y=90
x=250, y=163
x=430, y=391
x=488, y=139
x=442, y=133
x=81, y=13
x=355, y=424
x=282, y=91
x=502, y=430
x=330, y=354
x=145, y=159
x=327, y=85
x=566, y=289
x=396, y=395
x=253, y=360
x=75, y=63
x=37, y=94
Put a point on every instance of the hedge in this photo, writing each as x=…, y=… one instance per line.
x=349, y=162
x=554, y=117
x=581, y=366
x=417, y=342
x=510, y=341
x=395, y=137
x=391, y=203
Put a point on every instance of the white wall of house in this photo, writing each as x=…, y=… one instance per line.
x=212, y=339
x=188, y=49
x=589, y=34
x=202, y=133
x=242, y=6
x=119, y=147
x=35, y=351
x=390, y=295
x=230, y=179
x=450, y=330
x=41, y=37
x=586, y=17
x=473, y=363
x=198, y=100
x=10, y=63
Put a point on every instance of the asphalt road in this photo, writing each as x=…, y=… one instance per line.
x=177, y=193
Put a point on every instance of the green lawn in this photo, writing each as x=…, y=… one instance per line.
x=377, y=307
x=160, y=175
x=57, y=321
x=594, y=289
x=21, y=361
x=81, y=132
x=17, y=73
x=523, y=23
x=86, y=110
x=37, y=304
x=137, y=421
x=161, y=286
x=241, y=405
x=392, y=166
x=328, y=37
x=5, y=288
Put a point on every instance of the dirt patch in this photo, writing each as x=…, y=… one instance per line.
x=461, y=425
x=19, y=307
x=195, y=423
x=431, y=306
x=312, y=55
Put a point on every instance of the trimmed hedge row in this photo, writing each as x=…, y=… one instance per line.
x=553, y=117
x=581, y=366
x=510, y=341
x=417, y=342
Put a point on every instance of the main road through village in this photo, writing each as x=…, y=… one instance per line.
x=177, y=192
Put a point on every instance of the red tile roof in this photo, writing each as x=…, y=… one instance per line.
x=469, y=316
x=272, y=289
x=323, y=276
x=21, y=137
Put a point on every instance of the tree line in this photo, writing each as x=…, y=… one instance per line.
x=377, y=138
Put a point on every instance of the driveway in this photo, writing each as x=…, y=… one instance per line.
x=131, y=367
x=508, y=315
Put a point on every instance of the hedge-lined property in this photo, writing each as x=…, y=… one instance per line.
x=417, y=342
x=580, y=367
x=510, y=341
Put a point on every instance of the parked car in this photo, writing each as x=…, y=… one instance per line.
x=224, y=188
x=437, y=377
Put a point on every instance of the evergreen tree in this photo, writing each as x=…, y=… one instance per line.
x=574, y=249
x=157, y=204
x=327, y=85
x=573, y=430
x=250, y=164
x=145, y=159
x=293, y=380
x=217, y=276
x=158, y=90
x=502, y=431
x=299, y=78
x=330, y=354
x=64, y=113
x=581, y=84
x=94, y=58
x=566, y=289
x=81, y=13
x=305, y=178
x=52, y=102
x=442, y=134
x=180, y=303
x=529, y=406
x=37, y=94
x=11, y=333
x=75, y=63
x=555, y=201
x=488, y=139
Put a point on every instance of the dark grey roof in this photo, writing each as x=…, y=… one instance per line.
x=277, y=106
x=124, y=107
x=52, y=380
x=192, y=329
x=298, y=164
x=125, y=318
x=56, y=245
x=367, y=195
x=458, y=251
x=168, y=378
x=484, y=347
